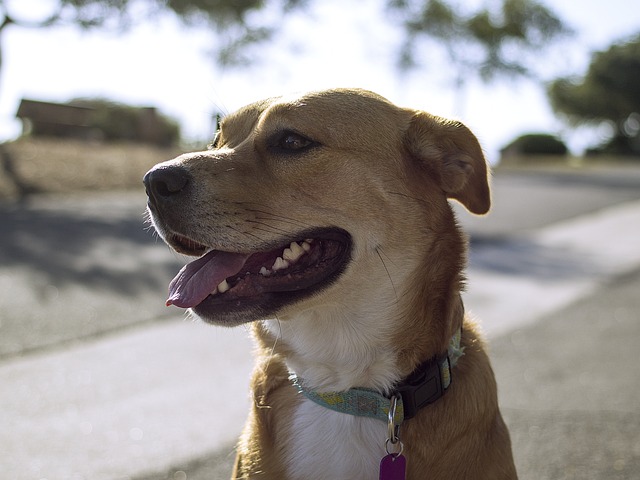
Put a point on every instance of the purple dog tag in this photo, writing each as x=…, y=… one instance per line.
x=393, y=467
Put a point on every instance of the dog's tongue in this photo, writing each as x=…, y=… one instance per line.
x=199, y=278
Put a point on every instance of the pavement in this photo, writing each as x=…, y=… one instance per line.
x=89, y=390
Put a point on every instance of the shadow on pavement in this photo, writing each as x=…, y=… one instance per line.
x=78, y=267
x=67, y=248
x=522, y=256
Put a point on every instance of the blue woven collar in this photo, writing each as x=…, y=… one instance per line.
x=424, y=386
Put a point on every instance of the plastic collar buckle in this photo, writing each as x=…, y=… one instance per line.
x=424, y=386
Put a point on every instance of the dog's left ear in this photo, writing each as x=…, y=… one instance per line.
x=453, y=153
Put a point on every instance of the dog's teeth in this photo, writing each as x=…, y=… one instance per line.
x=279, y=264
x=306, y=245
x=293, y=253
x=214, y=292
x=296, y=249
x=264, y=272
x=223, y=286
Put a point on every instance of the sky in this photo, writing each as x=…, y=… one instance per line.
x=339, y=43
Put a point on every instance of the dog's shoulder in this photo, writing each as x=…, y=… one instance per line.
x=273, y=399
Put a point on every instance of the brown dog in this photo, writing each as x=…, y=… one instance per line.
x=324, y=219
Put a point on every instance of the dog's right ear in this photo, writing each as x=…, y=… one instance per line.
x=453, y=154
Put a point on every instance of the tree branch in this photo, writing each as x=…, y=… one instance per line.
x=11, y=20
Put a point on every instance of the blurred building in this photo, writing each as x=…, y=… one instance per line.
x=96, y=120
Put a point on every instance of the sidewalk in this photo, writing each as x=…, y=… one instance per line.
x=570, y=386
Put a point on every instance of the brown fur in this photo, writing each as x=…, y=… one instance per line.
x=385, y=174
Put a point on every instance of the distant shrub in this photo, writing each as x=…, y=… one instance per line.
x=116, y=121
x=536, y=144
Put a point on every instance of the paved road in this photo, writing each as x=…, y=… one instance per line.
x=77, y=266
x=100, y=380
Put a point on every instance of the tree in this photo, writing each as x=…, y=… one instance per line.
x=234, y=19
x=608, y=92
x=488, y=42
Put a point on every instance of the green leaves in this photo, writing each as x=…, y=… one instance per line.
x=610, y=89
x=489, y=41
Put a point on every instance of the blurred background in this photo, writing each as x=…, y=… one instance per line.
x=98, y=380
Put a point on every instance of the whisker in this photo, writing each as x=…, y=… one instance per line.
x=278, y=336
x=387, y=270
x=281, y=217
x=248, y=234
x=380, y=251
x=419, y=200
x=284, y=220
x=270, y=227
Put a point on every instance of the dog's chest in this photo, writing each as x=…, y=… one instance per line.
x=327, y=444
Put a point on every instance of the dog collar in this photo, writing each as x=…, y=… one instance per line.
x=424, y=386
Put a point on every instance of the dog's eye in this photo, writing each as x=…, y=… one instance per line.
x=292, y=141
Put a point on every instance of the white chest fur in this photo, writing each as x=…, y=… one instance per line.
x=334, y=349
x=326, y=444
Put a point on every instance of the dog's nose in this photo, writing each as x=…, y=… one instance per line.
x=164, y=182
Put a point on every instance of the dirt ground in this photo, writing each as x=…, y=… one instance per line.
x=43, y=165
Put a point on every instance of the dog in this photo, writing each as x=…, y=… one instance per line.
x=324, y=219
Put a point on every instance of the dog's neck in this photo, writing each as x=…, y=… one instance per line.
x=333, y=349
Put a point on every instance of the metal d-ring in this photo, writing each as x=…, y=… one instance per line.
x=393, y=429
x=395, y=454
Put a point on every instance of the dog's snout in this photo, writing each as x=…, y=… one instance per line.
x=164, y=182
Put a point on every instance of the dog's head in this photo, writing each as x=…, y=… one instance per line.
x=306, y=201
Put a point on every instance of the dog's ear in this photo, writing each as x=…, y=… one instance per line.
x=453, y=154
